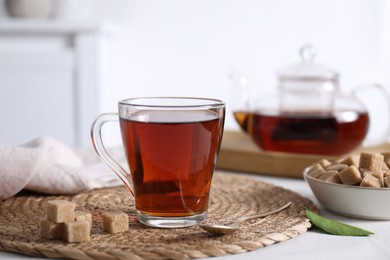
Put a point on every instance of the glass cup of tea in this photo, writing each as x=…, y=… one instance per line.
x=171, y=146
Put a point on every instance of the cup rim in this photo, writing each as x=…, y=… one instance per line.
x=162, y=102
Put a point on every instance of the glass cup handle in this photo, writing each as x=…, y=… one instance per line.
x=97, y=142
x=385, y=95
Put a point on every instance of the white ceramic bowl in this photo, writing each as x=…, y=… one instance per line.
x=351, y=201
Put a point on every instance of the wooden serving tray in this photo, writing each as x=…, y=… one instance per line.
x=239, y=153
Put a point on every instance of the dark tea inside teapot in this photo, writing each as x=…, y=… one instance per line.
x=308, y=115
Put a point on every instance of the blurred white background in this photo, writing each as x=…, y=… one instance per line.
x=188, y=47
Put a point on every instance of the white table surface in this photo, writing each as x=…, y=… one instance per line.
x=313, y=244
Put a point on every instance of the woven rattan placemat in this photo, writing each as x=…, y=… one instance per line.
x=232, y=196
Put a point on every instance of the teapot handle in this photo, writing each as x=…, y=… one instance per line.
x=382, y=137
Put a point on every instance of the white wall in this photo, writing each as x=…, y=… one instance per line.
x=178, y=47
x=188, y=47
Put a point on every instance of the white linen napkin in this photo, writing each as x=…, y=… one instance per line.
x=49, y=166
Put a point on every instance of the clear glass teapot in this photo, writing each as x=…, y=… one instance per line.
x=309, y=114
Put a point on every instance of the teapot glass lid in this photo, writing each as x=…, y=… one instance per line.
x=307, y=70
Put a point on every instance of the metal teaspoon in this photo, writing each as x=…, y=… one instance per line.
x=234, y=226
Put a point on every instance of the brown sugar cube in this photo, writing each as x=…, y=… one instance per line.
x=385, y=167
x=371, y=161
x=60, y=211
x=316, y=170
x=115, y=222
x=83, y=216
x=370, y=181
x=77, y=231
x=380, y=176
x=386, y=158
x=351, y=160
x=336, y=167
x=315, y=167
x=51, y=230
x=325, y=163
x=350, y=176
x=317, y=173
x=386, y=181
x=331, y=176
x=377, y=174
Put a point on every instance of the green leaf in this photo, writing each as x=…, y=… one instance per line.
x=334, y=227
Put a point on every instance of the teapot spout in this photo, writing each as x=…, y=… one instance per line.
x=240, y=95
x=240, y=100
